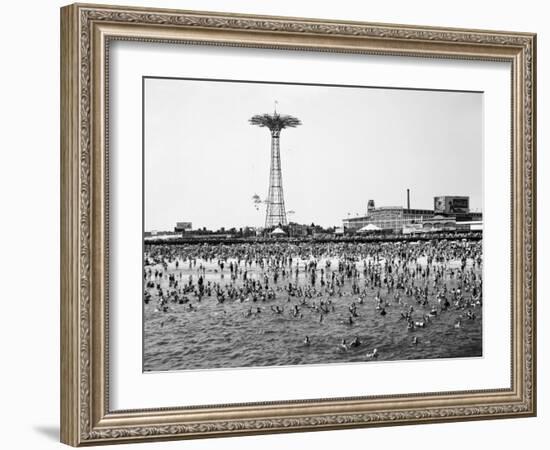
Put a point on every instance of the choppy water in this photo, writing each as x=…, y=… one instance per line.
x=219, y=336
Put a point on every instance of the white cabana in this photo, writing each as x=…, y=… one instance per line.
x=278, y=232
x=368, y=228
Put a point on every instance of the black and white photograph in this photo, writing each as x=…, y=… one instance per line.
x=243, y=225
x=296, y=224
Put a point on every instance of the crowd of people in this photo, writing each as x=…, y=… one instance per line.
x=319, y=282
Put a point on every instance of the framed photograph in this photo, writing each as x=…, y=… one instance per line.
x=274, y=224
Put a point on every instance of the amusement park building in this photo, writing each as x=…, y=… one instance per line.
x=397, y=219
x=388, y=218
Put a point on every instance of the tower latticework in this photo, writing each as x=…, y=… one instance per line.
x=275, y=212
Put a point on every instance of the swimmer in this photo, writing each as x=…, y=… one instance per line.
x=343, y=346
x=356, y=342
x=372, y=355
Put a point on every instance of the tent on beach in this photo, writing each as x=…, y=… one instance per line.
x=278, y=232
x=369, y=228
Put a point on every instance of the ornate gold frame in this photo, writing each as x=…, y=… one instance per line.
x=86, y=31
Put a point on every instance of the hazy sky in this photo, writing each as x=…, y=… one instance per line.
x=204, y=161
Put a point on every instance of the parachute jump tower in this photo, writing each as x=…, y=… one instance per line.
x=275, y=213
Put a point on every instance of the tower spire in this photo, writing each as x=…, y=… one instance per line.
x=275, y=212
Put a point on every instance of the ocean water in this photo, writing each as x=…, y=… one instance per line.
x=214, y=335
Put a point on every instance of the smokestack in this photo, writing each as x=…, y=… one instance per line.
x=408, y=199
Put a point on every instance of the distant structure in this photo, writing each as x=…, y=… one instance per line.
x=182, y=227
x=275, y=213
x=451, y=204
x=388, y=218
x=450, y=213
